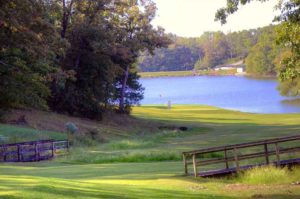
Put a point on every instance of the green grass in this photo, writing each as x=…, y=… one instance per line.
x=148, y=166
x=140, y=148
x=13, y=134
x=127, y=180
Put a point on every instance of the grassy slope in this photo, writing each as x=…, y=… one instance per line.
x=112, y=126
x=210, y=126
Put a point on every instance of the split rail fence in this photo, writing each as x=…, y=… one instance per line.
x=33, y=150
x=232, y=154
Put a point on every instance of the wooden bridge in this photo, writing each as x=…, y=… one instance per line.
x=230, y=157
x=32, y=151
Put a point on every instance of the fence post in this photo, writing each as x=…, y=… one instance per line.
x=53, y=149
x=226, y=158
x=185, y=165
x=195, y=165
x=266, y=153
x=236, y=158
x=4, y=154
x=277, y=154
x=19, y=153
x=68, y=145
x=36, y=152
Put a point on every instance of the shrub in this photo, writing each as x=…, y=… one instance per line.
x=71, y=128
x=96, y=135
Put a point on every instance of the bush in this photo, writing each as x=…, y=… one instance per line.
x=82, y=140
x=96, y=135
x=71, y=128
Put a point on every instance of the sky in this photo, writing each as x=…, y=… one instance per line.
x=190, y=18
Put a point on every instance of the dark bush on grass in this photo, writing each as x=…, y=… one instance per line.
x=96, y=135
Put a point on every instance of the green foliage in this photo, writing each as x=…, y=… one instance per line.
x=261, y=58
x=28, y=49
x=86, y=68
x=177, y=58
x=289, y=70
x=204, y=52
x=134, y=91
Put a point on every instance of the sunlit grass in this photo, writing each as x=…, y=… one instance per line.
x=269, y=175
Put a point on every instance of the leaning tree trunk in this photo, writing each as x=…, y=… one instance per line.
x=123, y=89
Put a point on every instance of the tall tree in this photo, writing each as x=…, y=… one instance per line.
x=88, y=71
x=215, y=47
x=132, y=20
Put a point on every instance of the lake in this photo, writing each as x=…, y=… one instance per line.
x=229, y=92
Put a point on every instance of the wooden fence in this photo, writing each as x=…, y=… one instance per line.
x=268, y=148
x=33, y=151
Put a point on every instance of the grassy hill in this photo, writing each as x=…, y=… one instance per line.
x=146, y=164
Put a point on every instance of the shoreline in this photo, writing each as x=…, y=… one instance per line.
x=191, y=73
x=186, y=73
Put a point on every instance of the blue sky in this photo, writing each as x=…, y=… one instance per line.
x=191, y=18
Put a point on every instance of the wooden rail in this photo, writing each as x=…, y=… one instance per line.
x=221, y=155
x=32, y=151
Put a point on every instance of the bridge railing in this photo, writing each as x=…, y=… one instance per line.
x=33, y=150
x=232, y=154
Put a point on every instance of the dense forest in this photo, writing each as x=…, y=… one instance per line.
x=74, y=56
x=256, y=47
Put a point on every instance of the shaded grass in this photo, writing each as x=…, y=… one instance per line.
x=81, y=156
x=13, y=134
x=146, y=148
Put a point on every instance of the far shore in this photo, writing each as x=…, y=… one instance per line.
x=200, y=73
x=187, y=73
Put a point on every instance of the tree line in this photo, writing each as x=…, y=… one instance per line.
x=256, y=47
x=74, y=56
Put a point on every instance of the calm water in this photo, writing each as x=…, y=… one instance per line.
x=230, y=92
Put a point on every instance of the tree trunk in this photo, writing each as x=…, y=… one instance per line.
x=67, y=9
x=122, y=97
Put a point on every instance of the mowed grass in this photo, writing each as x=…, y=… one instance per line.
x=153, y=169
x=133, y=180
